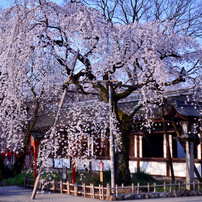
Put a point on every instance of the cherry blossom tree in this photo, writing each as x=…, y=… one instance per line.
x=186, y=14
x=39, y=41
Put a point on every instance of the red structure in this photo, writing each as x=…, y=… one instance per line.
x=8, y=156
x=73, y=173
x=35, y=142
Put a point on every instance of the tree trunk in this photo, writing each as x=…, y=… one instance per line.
x=2, y=169
x=122, y=172
x=18, y=165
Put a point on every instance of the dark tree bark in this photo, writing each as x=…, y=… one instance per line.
x=122, y=172
x=18, y=165
x=2, y=168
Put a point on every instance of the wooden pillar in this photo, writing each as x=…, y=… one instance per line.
x=138, y=152
x=140, y=146
x=135, y=145
x=166, y=156
x=201, y=153
x=73, y=172
x=171, y=145
x=164, y=147
x=189, y=163
x=35, y=162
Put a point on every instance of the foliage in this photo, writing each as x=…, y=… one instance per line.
x=88, y=178
x=142, y=177
x=18, y=179
x=51, y=175
x=93, y=177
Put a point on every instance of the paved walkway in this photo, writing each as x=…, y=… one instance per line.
x=20, y=194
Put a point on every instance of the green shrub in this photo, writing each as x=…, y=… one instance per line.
x=87, y=178
x=93, y=177
x=107, y=177
x=51, y=175
x=142, y=177
x=18, y=179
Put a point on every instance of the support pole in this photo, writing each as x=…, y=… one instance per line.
x=168, y=146
x=54, y=124
x=111, y=139
x=35, y=161
x=73, y=173
x=189, y=164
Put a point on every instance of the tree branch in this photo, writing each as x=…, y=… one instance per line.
x=135, y=109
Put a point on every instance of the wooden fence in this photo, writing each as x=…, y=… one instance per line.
x=105, y=193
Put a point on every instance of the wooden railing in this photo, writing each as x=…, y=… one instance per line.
x=105, y=193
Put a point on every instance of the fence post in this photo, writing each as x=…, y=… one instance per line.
x=61, y=191
x=40, y=184
x=47, y=185
x=25, y=181
x=138, y=188
x=148, y=188
x=92, y=190
x=84, y=190
x=28, y=182
x=122, y=187
x=199, y=185
x=170, y=187
x=117, y=194
x=132, y=188
x=193, y=185
x=164, y=186
x=154, y=187
x=75, y=189
x=53, y=182
x=175, y=186
x=108, y=192
x=179, y=185
x=68, y=191
x=102, y=192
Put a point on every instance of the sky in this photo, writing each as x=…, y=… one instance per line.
x=6, y=3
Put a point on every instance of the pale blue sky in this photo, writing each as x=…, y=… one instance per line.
x=6, y=3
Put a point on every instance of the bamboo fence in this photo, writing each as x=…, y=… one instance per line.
x=105, y=193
